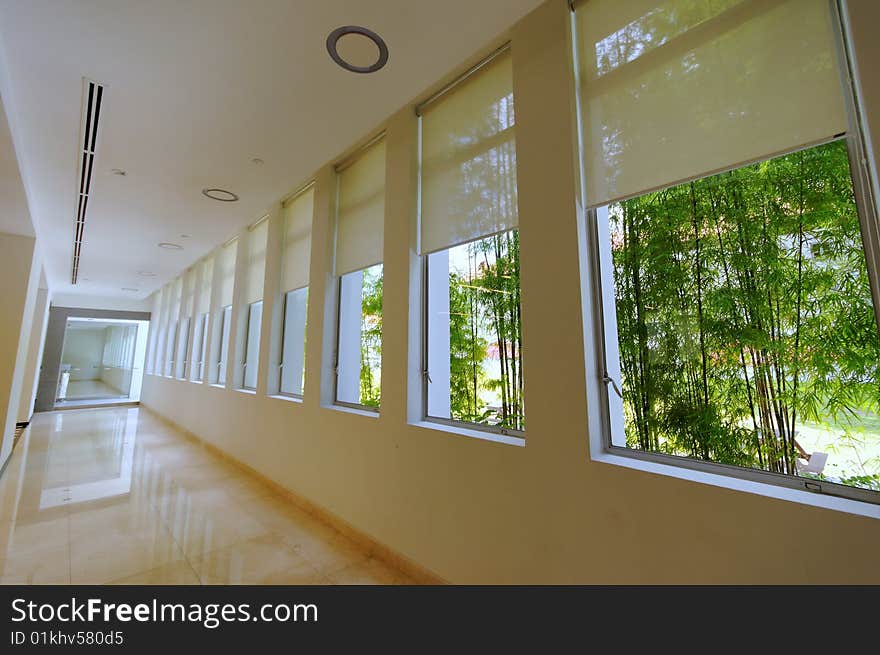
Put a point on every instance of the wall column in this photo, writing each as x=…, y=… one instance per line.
x=19, y=278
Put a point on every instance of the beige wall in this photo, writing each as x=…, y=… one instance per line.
x=19, y=279
x=477, y=511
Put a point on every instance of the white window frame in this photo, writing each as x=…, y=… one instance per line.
x=246, y=346
x=223, y=330
x=341, y=332
x=426, y=346
x=282, y=351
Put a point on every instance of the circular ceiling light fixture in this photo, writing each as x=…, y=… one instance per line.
x=354, y=40
x=129, y=289
x=170, y=246
x=118, y=171
x=146, y=274
x=220, y=194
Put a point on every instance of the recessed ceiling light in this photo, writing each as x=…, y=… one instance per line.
x=118, y=171
x=129, y=289
x=220, y=194
x=146, y=274
x=257, y=161
x=356, y=36
x=170, y=246
x=184, y=236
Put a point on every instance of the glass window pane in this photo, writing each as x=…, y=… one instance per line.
x=746, y=332
x=252, y=345
x=359, y=362
x=226, y=322
x=294, y=341
x=475, y=333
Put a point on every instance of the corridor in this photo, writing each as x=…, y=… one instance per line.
x=115, y=495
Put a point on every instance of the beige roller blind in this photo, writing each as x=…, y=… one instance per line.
x=226, y=281
x=297, y=241
x=256, y=261
x=189, y=291
x=675, y=90
x=361, y=213
x=176, y=297
x=469, y=159
x=206, y=274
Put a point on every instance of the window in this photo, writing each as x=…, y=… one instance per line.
x=359, y=240
x=171, y=340
x=202, y=308
x=182, y=348
x=225, y=263
x=200, y=345
x=473, y=335
x=359, y=363
x=739, y=322
x=253, y=298
x=295, y=259
x=252, y=344
x=225, y=325
x=293, y=378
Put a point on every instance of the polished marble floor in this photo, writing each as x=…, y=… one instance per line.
x=116, y=496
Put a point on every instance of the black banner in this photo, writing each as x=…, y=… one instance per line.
x=546, y=619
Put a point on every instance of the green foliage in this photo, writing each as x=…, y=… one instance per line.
x=743, y=308
x=485, y=322
x=371, y=337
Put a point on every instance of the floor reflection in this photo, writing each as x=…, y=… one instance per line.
x=114, y=495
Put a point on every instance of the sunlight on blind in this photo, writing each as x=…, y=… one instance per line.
x=676, y=90
x=226, y=262
x=361, y=214
x=469, y=160
x=256, y=262
x=189, y=290
x=176, y=297
x=206, y=273
x=297, y=241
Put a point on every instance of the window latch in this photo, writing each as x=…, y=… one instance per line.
x=427, y=376
x=607, y=379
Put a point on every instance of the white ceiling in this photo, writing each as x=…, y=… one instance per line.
x=195, y=90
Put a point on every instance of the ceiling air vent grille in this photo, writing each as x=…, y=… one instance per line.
x=93, y=94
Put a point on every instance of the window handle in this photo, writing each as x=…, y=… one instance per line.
x=607, y=379
x=427, y=376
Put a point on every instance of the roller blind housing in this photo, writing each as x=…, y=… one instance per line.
x=361, y=211
x=468, y=168
x=297, y=241
x=676, y=90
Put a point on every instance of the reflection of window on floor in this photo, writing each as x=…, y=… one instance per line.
x=474, y=333
x=252, y=344
x=223, y=350
x=359, y=364
x=745, y=329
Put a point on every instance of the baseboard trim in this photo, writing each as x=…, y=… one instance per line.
x=375, y=548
